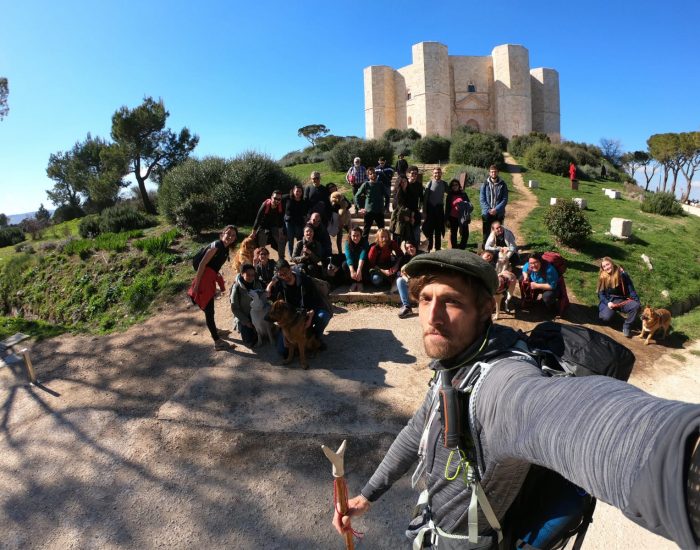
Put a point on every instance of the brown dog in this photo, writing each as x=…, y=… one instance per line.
x=653, y=320
x=296, y=335
x=244, y=254
x=337, y=199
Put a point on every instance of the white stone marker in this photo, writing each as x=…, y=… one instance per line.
x=581, y=203
x=552, y=201
x=532, y=184
x=613, y=194
x=620, y=227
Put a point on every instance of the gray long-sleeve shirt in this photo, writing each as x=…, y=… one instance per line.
x=620, y=444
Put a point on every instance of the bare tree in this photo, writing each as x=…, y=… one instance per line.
x=4, y=92
x=612, y=150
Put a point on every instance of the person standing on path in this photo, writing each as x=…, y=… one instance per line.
x=374, y=194
x=295, y=216
x=384, y=176
x=458, y=210
x=401, y=165
x=269, y=223
x=493, y=198
x=203, y=289
x=434, y=210
x=356, y=175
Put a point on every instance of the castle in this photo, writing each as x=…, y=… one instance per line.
x=439, y=92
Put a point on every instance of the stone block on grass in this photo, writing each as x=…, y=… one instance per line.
x=621, y=228
x=553, y=201
x=532, y=184
x=581, y=203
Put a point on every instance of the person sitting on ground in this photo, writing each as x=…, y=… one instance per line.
x=307, y=253
x=269, y=223
x=458, y=209
x=503, y=239
x=411, y=250
x=264, y=268
x=295, y=212
x=298, y=290
x=384, y=258
x=321, y=235
x=355, y=264
x=616, y=293
x=203, y=289
x=240, y=304
x=540, y=281
x=507, y=280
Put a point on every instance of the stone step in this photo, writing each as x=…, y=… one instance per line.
x=369, y=296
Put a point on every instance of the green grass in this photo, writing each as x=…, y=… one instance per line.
x=36, y=329
x=303, y=171
x=670, y=242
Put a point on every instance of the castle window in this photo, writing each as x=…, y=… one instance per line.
x=410, y=121
x=471, y=88
x=408, y=95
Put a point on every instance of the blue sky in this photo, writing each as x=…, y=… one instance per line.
x=247, y=75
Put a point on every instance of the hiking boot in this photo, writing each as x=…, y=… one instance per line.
x=626, y=332
x=405, y=312
x=223, y=345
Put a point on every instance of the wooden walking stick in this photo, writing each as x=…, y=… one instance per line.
x=340, y=489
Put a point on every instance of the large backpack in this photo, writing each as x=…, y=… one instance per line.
x=557, y=260
x=199, y=256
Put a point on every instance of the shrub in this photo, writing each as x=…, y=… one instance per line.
x=25, y=248
x=432, y=149
x=519, y=145
x=662, y=203
x=195, y=213
x=157, y=245
x=369, y=150
x=583, y=153
x=411, y=134
x=476, y=149
x=89, y=226
x=141, y=292
x=302, y=157
x=548, y=158
x=67, y=212
x=326, y=143
x=111, y=241
x=501, y=140
x=10, y=236
x=475, y=174
x=192, y=178
x=78, y=246
x=123, y=217
x=247, y=181
x=392, y=134
x=567, y=223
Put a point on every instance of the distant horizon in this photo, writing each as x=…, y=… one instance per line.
x=245, y=76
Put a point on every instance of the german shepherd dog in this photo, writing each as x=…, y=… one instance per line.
x=653, y=320
x=244, y=254
x=296, y=335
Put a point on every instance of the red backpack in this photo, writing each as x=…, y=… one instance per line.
x=556, y=260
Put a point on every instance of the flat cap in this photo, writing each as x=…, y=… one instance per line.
x=461, y=262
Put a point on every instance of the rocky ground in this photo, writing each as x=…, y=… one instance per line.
x=149, y=438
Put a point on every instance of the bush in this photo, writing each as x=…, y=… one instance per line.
x=476, y=149
x=157, y=245
x=66, y=213
x=369, y=150
x=548, y=158
x=584, y=154
x=519, y=145
x=24, y=248
x=664, y=204
x=303, y=157
x=326, y=143
x=10, y=236
x=567, y=223
x=124, y=217
x=89, y=226
x=248, y=180
x=475, y=174
x=195, y=213
x=501, y=140
x=141, y=292
x=432, y=149
x=393, y=134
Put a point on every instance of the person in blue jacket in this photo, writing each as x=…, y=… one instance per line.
x=616, y=293
x=493, y=198
x=540, y=278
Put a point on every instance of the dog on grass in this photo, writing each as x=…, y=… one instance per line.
x=244, y=254
x=507, y=283
x=259, y=309
x=296, y=335
x=653, y=320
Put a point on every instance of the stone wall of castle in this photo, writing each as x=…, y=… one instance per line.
x=438, y=93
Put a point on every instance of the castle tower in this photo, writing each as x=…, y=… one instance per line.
x=380, y=100
x=545, y=102
x=432, y=110
x=512, y=92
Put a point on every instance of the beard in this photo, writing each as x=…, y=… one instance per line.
x=439, y=345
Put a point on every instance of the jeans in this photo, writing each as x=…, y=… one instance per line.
x=402, y=287
x=631, y=309
x=294, y=231
x=248, y=334
x=318, y=325
x=376, y=217
x=464, y=234
x=209, y=317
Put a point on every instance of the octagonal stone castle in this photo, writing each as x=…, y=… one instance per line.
x=439, y=92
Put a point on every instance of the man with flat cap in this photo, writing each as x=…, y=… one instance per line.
x=619, y=444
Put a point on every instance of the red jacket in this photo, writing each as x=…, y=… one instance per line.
x=207, y=287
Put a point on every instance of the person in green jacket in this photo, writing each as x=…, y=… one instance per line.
x=373, y=210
